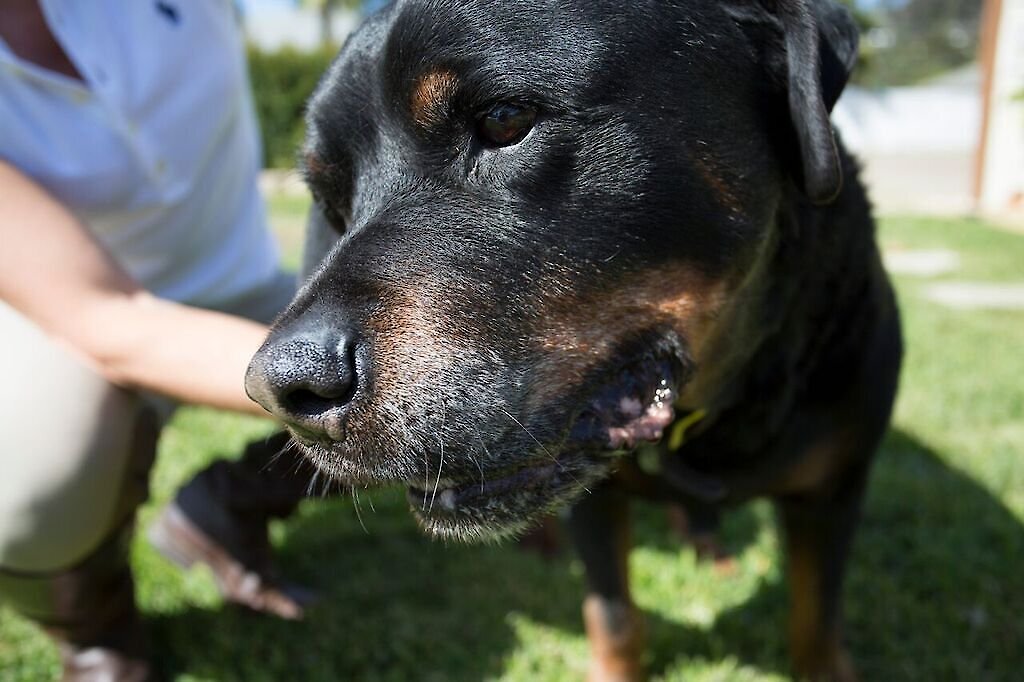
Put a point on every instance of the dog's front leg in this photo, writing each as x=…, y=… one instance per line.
x=599, y=526
x=818, y=532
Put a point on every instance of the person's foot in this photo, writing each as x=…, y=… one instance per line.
x=89, y=612
x=100, y=664
x=248, y=581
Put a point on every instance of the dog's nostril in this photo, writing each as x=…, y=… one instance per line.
x=308, y=382
x=303, y=402
x=329, y=386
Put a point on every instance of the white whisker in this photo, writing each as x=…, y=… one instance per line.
x=440, y=465
x=311, y=487
x=561, y=467
x=527, y=431
x=355, y=501
x=476, y=460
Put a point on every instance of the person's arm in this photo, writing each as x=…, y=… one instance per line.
x=54, y=272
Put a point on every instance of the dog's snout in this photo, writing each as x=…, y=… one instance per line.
x=308, y=382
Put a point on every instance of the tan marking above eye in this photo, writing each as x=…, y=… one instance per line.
x=431, y=95
x=313, y=163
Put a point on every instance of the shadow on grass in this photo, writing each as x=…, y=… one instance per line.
x=395, y=606
x=935, y=591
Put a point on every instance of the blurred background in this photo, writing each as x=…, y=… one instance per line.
x=935, y=112
x=935, y=588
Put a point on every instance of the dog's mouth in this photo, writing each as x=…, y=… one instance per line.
x=634, y=406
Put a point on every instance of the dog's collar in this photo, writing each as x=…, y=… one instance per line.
x=701, y=486
x=677, y=432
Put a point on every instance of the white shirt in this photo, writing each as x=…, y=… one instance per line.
x=157, y=151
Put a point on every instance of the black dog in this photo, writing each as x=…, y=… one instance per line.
x=555, y=229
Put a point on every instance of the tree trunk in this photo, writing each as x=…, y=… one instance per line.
x=326, y=31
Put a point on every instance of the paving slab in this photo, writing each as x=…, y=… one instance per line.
x=977, y=295
x=921, y=263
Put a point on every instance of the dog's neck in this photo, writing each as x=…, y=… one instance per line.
x=781, y=325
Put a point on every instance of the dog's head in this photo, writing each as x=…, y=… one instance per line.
x=545, y=215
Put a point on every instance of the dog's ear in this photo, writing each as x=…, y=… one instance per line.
x=821, y=49
x=815, y=51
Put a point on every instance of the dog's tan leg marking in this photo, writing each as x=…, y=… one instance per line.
x=617, y=637
x=814, y=644
x=599, y=524
x=818, y=522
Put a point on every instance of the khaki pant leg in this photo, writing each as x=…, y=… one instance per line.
x=69, y=442
x=75, y=450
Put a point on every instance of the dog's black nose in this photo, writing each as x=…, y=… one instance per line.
x=307, y=381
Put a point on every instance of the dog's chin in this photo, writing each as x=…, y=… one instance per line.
x=633, y=407
x=504, y=505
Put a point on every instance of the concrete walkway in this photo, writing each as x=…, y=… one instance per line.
x=921, y=262
x=977, y=295
x=928, y=263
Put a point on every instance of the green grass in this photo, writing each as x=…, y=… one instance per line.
x=935, y=591
x=288, y=214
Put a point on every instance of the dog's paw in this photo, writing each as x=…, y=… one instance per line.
x=837, y=666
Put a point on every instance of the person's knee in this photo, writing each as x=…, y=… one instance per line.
x=71, y=450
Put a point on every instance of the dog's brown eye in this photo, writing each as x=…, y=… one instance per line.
x=506, y=124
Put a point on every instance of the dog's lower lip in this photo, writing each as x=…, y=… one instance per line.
x=448, y=498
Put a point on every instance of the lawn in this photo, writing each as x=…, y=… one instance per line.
x=936, y=585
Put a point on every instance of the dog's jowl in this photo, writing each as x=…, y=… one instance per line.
x=553, y=232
